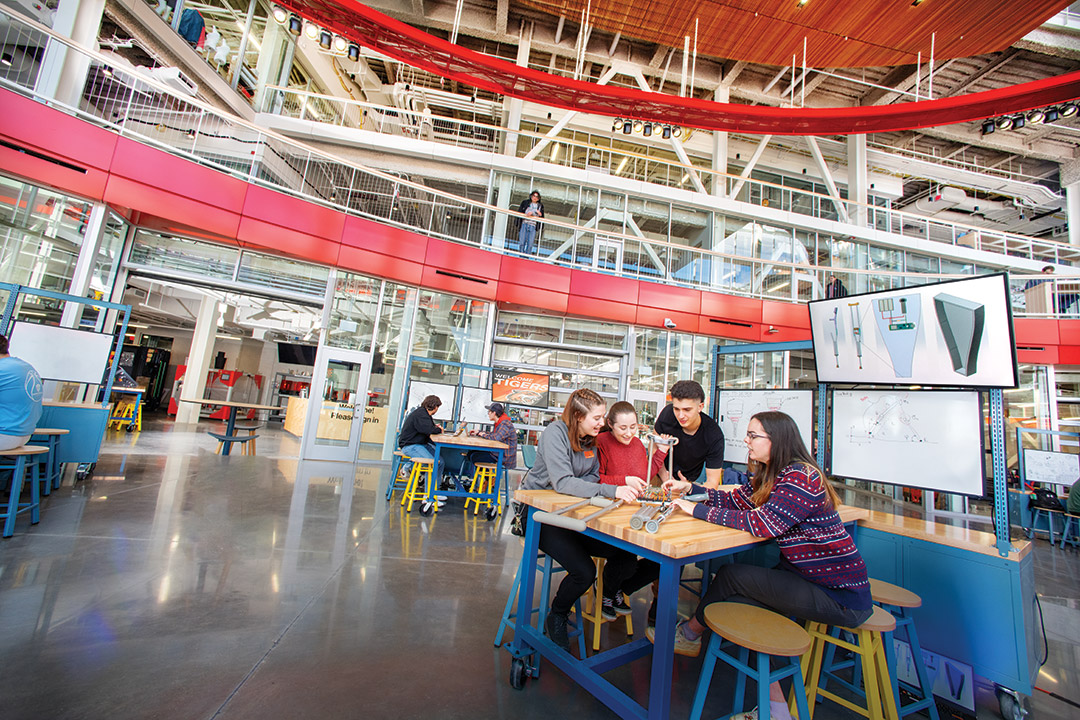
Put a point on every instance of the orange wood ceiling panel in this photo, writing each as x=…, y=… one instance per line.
x=838, y=33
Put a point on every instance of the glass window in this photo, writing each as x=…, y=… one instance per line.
x=450, y=328
x=192, y=257
x=353, y=311
x=282, y=274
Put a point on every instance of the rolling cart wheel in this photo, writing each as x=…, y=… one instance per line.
x=491, y=513
x=131, y=428
x=427, y=508
x=517, y=673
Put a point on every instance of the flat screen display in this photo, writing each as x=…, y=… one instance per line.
x=296, y=354
x=956, y=333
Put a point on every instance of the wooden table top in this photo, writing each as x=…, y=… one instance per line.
x=470, y=440
x=231, y=403
x=87, y=405
x=680, y=536
x=51, y=431
x=951, y=535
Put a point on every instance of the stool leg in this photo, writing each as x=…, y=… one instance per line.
x=798, y=689
x=738, y=703
x=410, y=488
x=920, y=668
x=705, y=679
x=598, y=603
x=763, y=708
x=395, y=464
x=35, y=498
x=884, y=674
x=867, y=651
x=890, y=662
x=812, y=666
x=16, y=490
x=508, y=609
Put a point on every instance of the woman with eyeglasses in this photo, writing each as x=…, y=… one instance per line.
x=821, y=576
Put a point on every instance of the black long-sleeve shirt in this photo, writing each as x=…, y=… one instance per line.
x=417, y=428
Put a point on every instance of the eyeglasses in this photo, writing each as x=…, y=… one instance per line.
x=755, y=436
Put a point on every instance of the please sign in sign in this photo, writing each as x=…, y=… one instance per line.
x=520, y=388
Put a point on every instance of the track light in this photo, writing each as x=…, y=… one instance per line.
x=1068, y=110
x=627, y=127
x=1004, y=123
x=280, y=14
x=676, y=132
x=1036, y=116
x=296, y=25
x=311, y=30
x=1018, y=121
x=988, y=127
x=647, y=131
x=326, y=40
x=340, y=44
x=354, y=52
x=6, y=59
x=1052, y=115
x=639, y=127
x=617, y=125
x=666, y=132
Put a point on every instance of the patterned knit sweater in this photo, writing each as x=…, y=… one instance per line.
x=813, y=541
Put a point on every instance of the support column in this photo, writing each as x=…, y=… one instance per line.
x=275, y=61
x=857, y=179
x=720, y=148
x=63, y=71
x=198, y=360
x=514, y=107
x=84, y=266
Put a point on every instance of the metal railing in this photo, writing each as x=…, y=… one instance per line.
x=118, y=98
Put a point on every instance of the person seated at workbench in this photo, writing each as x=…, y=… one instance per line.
x=414, y=439
x=701, y=441
x=504, y=432
x=821, y=575
x=622, y=456
x=566, y=462
x=20, y=399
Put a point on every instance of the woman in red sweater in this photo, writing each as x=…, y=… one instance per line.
x=622, y=455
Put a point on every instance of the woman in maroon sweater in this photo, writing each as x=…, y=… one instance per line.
x=623, y=455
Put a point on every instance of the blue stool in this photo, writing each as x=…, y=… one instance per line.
x=17, y=461
x=896, y=599
x=396, y=483
x=769, y=635
x=50, y=438
x=548, y=568
x=1049, y=515
x=1071, y=521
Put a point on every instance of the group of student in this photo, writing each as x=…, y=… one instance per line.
x=591, y=451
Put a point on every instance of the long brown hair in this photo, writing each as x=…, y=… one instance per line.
x=620, y=408
x=578, y=405
x=787, y=449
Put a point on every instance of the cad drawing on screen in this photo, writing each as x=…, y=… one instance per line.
x=961, y=323
x=887, y=419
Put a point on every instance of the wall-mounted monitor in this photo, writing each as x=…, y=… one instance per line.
x=956, y=333
x=294, y=354
x=929, y=439
x=738, y=406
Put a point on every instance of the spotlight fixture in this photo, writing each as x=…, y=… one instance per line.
x=311, y=30
x=647, y=130
x=191, y=133
x=676, y=132
x=6, y=59
x=1052, y=115
x=1036, y=116
x=340, y=44
x=639, y=127
x=326, y=40
x=354, y=52
x=106, y=71
x=296, y=25
x=627, y=127
x=1018, y=121
x=617, y=125
x=280, y=14
x=988, y=127
x=666, y=134
x=1004, y=123
x=1068, y=109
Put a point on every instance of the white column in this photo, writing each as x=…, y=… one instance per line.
x=63, y=72
x=1072, y=208
x=720, y=148
x=198, y=360
x=857, y=179
x=513, y=109
x=84, y=266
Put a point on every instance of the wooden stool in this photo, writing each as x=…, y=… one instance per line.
x=18, y=476
x=53, y=466
x=247, y=447
x=1072, y=521
x=595, y=614
x=870, y=640
x=1049, y=514
x=753, y=629
x=483, y=481
x=897, y=600
x=548, y=567
x=222, y=439
x=413, y=493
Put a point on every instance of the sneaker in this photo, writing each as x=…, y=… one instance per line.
x=683, y=645
x=607, y=609
x=555, y=627
x=620, y=605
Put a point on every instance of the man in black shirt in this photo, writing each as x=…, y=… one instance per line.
x=701, y=441
x=415, y=437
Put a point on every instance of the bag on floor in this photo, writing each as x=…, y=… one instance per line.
x=517, y=525
x=1044, y=499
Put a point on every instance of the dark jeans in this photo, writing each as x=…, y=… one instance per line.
x=575, y=553
x=468, y=468
x=782, y=591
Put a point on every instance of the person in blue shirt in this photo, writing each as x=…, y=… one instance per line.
x=20, y=399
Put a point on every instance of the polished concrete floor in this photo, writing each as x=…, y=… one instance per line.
x=175, y=583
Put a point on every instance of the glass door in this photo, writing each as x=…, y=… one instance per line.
x=335, y=412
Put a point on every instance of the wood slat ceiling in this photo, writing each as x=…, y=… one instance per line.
x=838, y=33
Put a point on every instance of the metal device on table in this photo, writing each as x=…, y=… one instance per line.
x=656, y=505
x=559, y=518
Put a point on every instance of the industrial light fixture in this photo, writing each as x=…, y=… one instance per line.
x=1004, y=123
x=666, y=134
x=326, y=40
x=340, y=44
x=1036, y=116
x=639, y=127
x=1052, y=115
x=1018, y=121
x=988, y=127
x=311, y=30
x=617, y=125
x=676, y=132
x=280, y=14
x=354, y=52
x=627, y=127
x=647, y=130
x=1068, y=109
x=296, y=25
x=6, y=59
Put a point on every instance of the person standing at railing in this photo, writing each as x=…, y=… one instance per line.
x=532, y=208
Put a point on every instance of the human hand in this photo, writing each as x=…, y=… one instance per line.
x=685, y=505
x=635, y=482
x=626, y=493
x=677, y=487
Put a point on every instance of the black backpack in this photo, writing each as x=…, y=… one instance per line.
x=1044, y=499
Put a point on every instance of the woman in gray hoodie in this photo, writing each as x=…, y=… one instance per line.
x=566, y=462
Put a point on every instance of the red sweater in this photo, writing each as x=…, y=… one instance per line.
x=618, y=460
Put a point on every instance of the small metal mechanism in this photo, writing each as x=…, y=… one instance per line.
x=654, y=441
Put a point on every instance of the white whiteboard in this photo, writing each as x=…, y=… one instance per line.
x=927, y=439
x=419, y=390
x=738, y=406
x=61, y=353
x=474, y=402
x=1058, y=468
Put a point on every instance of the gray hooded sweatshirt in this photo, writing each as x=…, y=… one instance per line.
x=559, y=468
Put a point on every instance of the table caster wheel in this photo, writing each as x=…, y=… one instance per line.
x=427, y=508
x=517, y=673
x=491, y=514
x=131, y=428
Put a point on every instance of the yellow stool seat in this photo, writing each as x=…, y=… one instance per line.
x=483, y=481
x=889, y=594
x=757, y=629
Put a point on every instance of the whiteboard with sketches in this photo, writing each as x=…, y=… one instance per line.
x=924, y=439
x=1057, y=468
x=474, y=402
x=419, y=390
x=62, y=353
x=738, y=406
